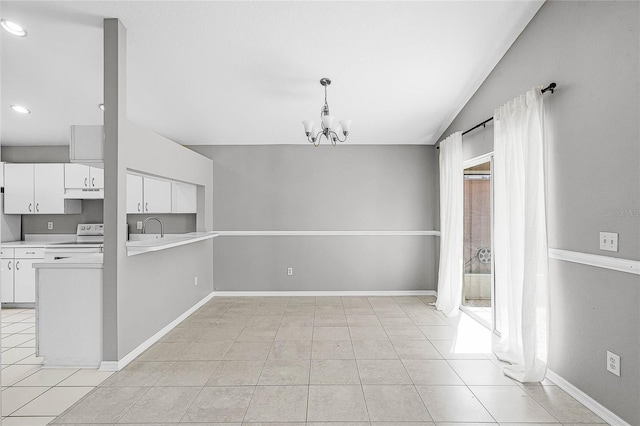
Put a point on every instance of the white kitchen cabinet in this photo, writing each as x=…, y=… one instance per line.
x=79, y=176
x=19, y=188
x=6, y=277
x=18, y=278
x=157, y=195
x=97, y=177
x=24, y=280
x=184, y=198
x=148, y=195
x=37, y=189
x=134, y=193
x=49, y=188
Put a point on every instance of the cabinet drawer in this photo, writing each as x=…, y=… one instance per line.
x=6, y=253
x=29, y=253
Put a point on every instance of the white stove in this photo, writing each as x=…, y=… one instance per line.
x=89, y=239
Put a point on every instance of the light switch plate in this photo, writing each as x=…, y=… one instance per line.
x=139, y=224
x=609, y=241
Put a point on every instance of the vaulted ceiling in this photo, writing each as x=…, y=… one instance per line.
x=233, y=72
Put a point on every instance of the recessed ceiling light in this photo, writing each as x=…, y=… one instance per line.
x=13, y=28
x=20, y=109
x=101, y=106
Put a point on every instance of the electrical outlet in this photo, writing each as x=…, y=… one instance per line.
x=195, y=280
x=289, y=271
x=613, y=363
x=609, y=241
x=139, y=224
x=49, y=225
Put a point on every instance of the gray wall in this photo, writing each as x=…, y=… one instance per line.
x=35, y=154
x=92, y=212
x=591, y=49
x=173, y=223
x=343, y=188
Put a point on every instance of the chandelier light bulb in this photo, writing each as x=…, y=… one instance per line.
x=308, y=126
x=327, y=121
x=346, y=125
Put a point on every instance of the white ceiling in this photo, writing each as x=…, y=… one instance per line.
x=233, y=72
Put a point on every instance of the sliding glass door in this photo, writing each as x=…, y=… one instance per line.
x=477, y=290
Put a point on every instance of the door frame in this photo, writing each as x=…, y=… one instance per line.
x=484, y=158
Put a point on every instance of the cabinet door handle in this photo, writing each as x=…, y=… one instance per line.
x=9, y=265
x=146, y=207
x=38, y=207
x=93, y=181
x=85, y=182
x=138, y=206
x=31, y=252
x=29, y=206
x=17, y=264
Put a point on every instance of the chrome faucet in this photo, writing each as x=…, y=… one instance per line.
x=144, y=225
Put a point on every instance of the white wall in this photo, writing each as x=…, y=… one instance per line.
x=591, y=49
x=144, y=293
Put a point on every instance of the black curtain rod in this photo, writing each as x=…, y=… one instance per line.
x=550, y=88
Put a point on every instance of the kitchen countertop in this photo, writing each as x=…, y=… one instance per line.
x=167, y=242
x=39, y=240
x=36, y=243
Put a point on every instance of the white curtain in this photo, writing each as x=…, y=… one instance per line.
x=520, y=238
x=451, y=225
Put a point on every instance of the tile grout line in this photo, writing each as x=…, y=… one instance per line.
x=313, y=327
x=364, y=397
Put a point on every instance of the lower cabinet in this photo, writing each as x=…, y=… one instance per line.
x=17, y=276
x=6, y=280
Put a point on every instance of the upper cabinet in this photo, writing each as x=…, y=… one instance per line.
x=134, y=194
x=148, y=195
x=83, y=182
x=157, y=195
x=37, y=189
x=78, y=176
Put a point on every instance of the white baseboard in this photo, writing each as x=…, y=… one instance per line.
x=323, y=293
x=586, y=400
x=119, y=365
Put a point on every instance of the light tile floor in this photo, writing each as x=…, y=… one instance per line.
x=320, y=361
x=32, y=395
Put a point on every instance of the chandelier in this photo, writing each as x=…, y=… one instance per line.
x=328, y=129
